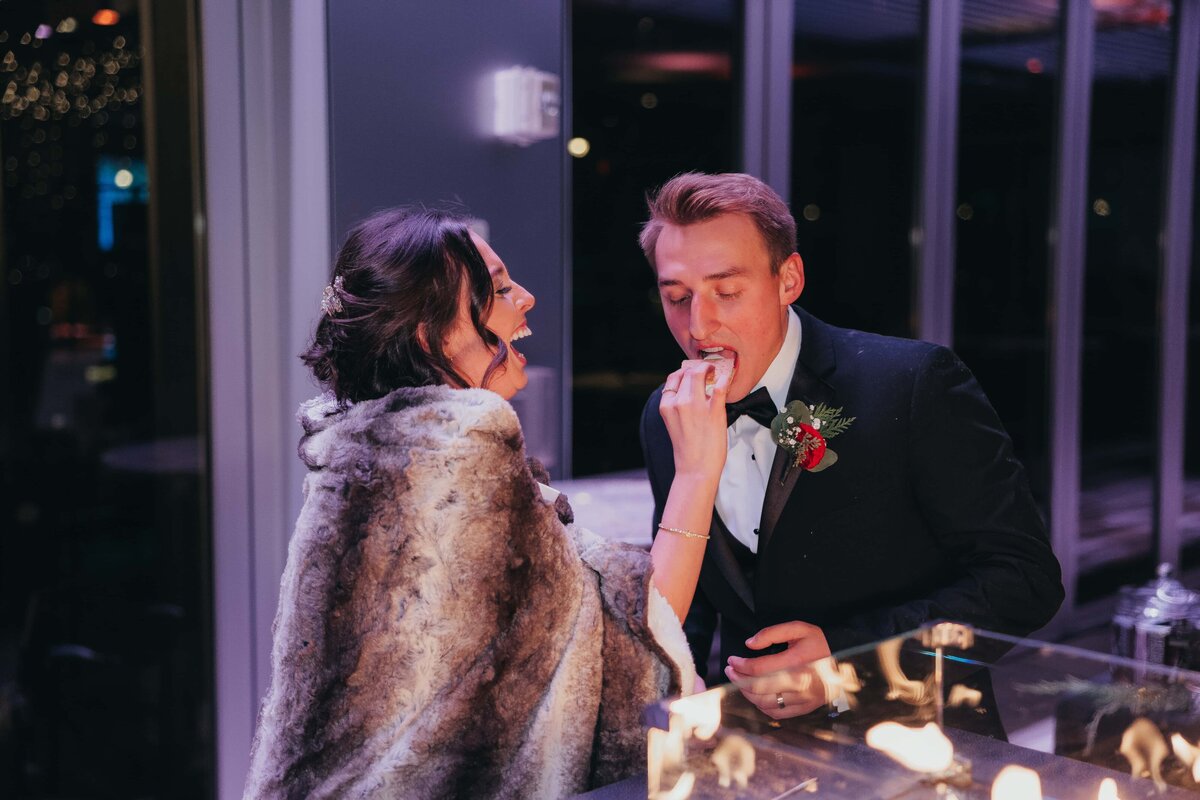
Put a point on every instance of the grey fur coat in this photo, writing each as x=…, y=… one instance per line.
x=441, y=632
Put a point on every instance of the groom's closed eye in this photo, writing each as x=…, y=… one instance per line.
x=678, y=301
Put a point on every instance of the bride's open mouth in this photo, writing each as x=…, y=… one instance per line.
x=519, y=333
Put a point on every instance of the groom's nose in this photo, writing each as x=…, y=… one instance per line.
x=702, y=319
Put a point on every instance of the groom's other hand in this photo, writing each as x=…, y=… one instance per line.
x=786, y=675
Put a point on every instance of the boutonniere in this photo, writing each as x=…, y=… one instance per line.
x=802, y=430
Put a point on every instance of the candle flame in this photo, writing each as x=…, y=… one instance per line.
x=840, y=682
x=1108, y=790
x=1017, y=783
x=924, y=750
x=1186, y=752
x=1145, y=748
x=680, y=791
x=734, y=760
x=964, y=696
x=900, y=686
x=699, y=713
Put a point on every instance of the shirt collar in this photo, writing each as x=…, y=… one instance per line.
x=778, y=377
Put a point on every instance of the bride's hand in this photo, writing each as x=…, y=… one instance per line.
x=695, y=422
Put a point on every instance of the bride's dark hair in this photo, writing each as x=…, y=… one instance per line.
x=396, y=286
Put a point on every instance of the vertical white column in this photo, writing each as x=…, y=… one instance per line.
x=1068, y=238
x=266, y=231
x=1176, y=239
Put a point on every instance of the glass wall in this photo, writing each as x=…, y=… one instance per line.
x=855, y=92
x=105, y=685
x=1133, y=50
x=1006, y=124
x=654, y=94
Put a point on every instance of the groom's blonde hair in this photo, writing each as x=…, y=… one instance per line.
x=698, y=197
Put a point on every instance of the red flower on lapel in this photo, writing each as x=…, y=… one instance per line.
x=803, y=431
x=811, y=447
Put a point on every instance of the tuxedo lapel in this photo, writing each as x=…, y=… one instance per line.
x=810, y=384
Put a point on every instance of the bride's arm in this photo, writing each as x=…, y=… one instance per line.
x=696, y=424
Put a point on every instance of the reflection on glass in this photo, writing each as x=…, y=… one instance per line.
x=104, y=676
x=654, y=96
x=1050, y=721
x=1009, y=78
x=855, y=81
x=1133, y=50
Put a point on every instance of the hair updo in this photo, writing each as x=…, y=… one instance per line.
x=402, y=273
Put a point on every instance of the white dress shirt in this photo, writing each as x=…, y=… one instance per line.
x=743, y=485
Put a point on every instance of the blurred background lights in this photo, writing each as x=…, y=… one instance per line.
x=68, y=25
x=1034, y=65
x=964, y=211
x=812, y=212
x=123, y=179
x=106, y=16
x=649, y=100
x=579, y=147
x=43, y=31
x=1101, y=207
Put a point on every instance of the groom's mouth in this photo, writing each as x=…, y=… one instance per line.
x=718, y=353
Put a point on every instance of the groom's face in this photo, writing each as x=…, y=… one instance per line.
x=718, y=291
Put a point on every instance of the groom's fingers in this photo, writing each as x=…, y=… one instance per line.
x=764, y=665
x=783, y=633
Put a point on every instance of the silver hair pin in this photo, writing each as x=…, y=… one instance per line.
x=331, y=297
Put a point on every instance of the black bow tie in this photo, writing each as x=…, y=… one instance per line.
x=757, y=405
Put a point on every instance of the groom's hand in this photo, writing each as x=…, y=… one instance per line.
x=787, y=675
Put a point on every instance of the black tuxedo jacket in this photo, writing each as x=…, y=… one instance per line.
x=926, y=514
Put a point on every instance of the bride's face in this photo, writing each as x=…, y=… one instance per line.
x=510, y=303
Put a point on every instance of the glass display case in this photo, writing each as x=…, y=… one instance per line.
x=943, y=711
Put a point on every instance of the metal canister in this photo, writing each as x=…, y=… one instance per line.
x=1158, y=623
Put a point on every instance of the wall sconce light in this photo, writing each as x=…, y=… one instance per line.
x=528, y=105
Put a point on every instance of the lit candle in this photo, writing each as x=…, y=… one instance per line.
x=1017, y=783
x=925, y=750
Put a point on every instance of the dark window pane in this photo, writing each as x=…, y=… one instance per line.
x=1009, y=81
x=854, y=122
x=654, y=95
x=1120, y=353
x=105, y=684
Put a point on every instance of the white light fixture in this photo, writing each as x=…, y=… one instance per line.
x=528, y=105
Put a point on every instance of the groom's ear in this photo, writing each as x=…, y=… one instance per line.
x=791, y=279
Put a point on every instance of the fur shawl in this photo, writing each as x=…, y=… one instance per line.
x=441, y=632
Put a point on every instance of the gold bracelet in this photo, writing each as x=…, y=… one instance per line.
x=683, y=533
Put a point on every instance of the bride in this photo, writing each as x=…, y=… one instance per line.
x=444, y=630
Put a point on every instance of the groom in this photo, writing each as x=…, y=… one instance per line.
x=923, y=513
